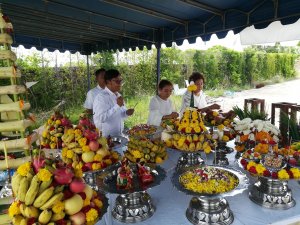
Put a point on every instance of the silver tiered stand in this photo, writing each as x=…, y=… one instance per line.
x=132, y=205
x=272, y=193
x=221, y=154
x=211, y=209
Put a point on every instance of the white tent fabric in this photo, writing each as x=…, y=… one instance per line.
x=275, y=32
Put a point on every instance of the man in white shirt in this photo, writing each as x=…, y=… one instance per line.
x=90, y=97
x=109, y=108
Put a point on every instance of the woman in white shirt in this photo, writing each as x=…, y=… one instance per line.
x=161, y=106
x=199, y=96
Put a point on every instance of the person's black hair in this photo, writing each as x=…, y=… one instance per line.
x=164, y=83
x=97, y=72
x=196, y=76
x=111, y=74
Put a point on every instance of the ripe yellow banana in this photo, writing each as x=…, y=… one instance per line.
x=23, y=221
x=32, y=191
x=16, y=220
x=15, y=183
x=44, y=185
x=24, y=185
x=31, y=212
x=45, y=216
x=43, y=197
x=58, y=216
x=55, y=198
x=22, y=209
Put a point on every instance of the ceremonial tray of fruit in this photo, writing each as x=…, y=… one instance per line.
x=130, y=177
x=116, y=141
x=269, y=168
x=145, y=150
x=85, y=150
x=48, y=192
x=209, y=180
x=54, y=129
x=143, y=130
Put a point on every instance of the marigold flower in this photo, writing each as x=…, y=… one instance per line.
x=82, y=141
x=282, y=174
x=14, y=209
x=44, y=175
x=24, y=169
x=86, y=148
x=192, y=87
x=91, y=215
x=70, y=154
x=58, y=207
x=98, y=158
x=98, y=203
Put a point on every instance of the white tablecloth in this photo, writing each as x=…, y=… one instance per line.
x=171, y=204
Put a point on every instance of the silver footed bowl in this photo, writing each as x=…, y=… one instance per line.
x=242, y=185
x=118, y=142
x=107, y=181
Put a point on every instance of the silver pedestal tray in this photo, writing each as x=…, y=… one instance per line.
x=135, y=204
x=271, y=193
x=188, y=159
x=118, y=142
x=90, y=177
x=221, y=154
x=212, y=209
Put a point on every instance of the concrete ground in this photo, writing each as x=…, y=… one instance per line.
x=288, y=91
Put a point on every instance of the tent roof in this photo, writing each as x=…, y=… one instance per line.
x=96, y=25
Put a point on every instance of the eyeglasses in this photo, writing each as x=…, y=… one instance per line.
x=118, y=81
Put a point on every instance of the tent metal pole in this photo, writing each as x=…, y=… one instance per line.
x=157, y=66
x=88, y=72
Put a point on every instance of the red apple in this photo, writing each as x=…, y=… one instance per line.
x=94, y=145
x=77, y=185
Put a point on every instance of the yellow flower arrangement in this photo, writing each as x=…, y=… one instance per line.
x=296, y=172
x=44, y=175
x=260, y=169
x=70, y=154
x=82, y=141
x=192, y=87
x=24, y=169
x=14, y=209
x=91, y=215
x=282, y=174
x=58, y=207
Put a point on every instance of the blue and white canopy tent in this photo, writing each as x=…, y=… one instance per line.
x=99, y=25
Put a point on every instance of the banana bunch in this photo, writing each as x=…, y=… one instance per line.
x=145, y=150
x=35, y=198
x=71, y=143
x=191, y=142
x=54, y=130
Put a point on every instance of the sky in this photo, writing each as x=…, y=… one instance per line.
x=231, y=41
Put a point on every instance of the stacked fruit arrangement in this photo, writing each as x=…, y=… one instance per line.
x=142, y=130
x=145, y=150
x=54, y=129
x=215, y=118
x=85, y=150
x=192, y=135
x=46, y=192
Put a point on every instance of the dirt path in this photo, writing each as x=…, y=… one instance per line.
x=288, y=91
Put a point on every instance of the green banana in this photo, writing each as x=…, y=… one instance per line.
x=29, y=177
x=15, y=183
x=44, y=185
x=32, y=191
x=55, y=198
x=31, y=212
x=43, y=197
x=45, y=216
x=24, y=185
x=59, y=189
